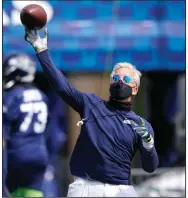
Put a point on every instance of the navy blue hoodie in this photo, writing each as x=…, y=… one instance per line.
x=106, y=144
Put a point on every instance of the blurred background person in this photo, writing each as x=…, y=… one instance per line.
x=25, y=119
x=55, y=140
x=5, y=192
x=89, y=39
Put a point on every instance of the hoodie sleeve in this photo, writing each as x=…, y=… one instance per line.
x=59, y=83
x=149, y=159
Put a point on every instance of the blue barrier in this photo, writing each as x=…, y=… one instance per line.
x=94, y=35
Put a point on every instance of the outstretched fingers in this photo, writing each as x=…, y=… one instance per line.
x=36, y=33
x=46, y=33
x=27, y=34
x=28, y=31
x=27, y=37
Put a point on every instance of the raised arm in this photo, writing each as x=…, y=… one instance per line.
x=58, y=81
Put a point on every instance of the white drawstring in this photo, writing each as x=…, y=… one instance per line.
x=81, y=122
x=126, y=121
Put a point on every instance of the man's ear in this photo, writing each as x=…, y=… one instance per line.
x=134, y=91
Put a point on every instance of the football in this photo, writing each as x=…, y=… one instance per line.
x=33, y=17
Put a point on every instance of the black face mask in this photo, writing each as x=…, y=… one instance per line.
x=120, y=91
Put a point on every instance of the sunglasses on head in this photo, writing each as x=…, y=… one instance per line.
x=126, y=79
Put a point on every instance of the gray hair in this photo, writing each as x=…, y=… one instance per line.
x=137, y=73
